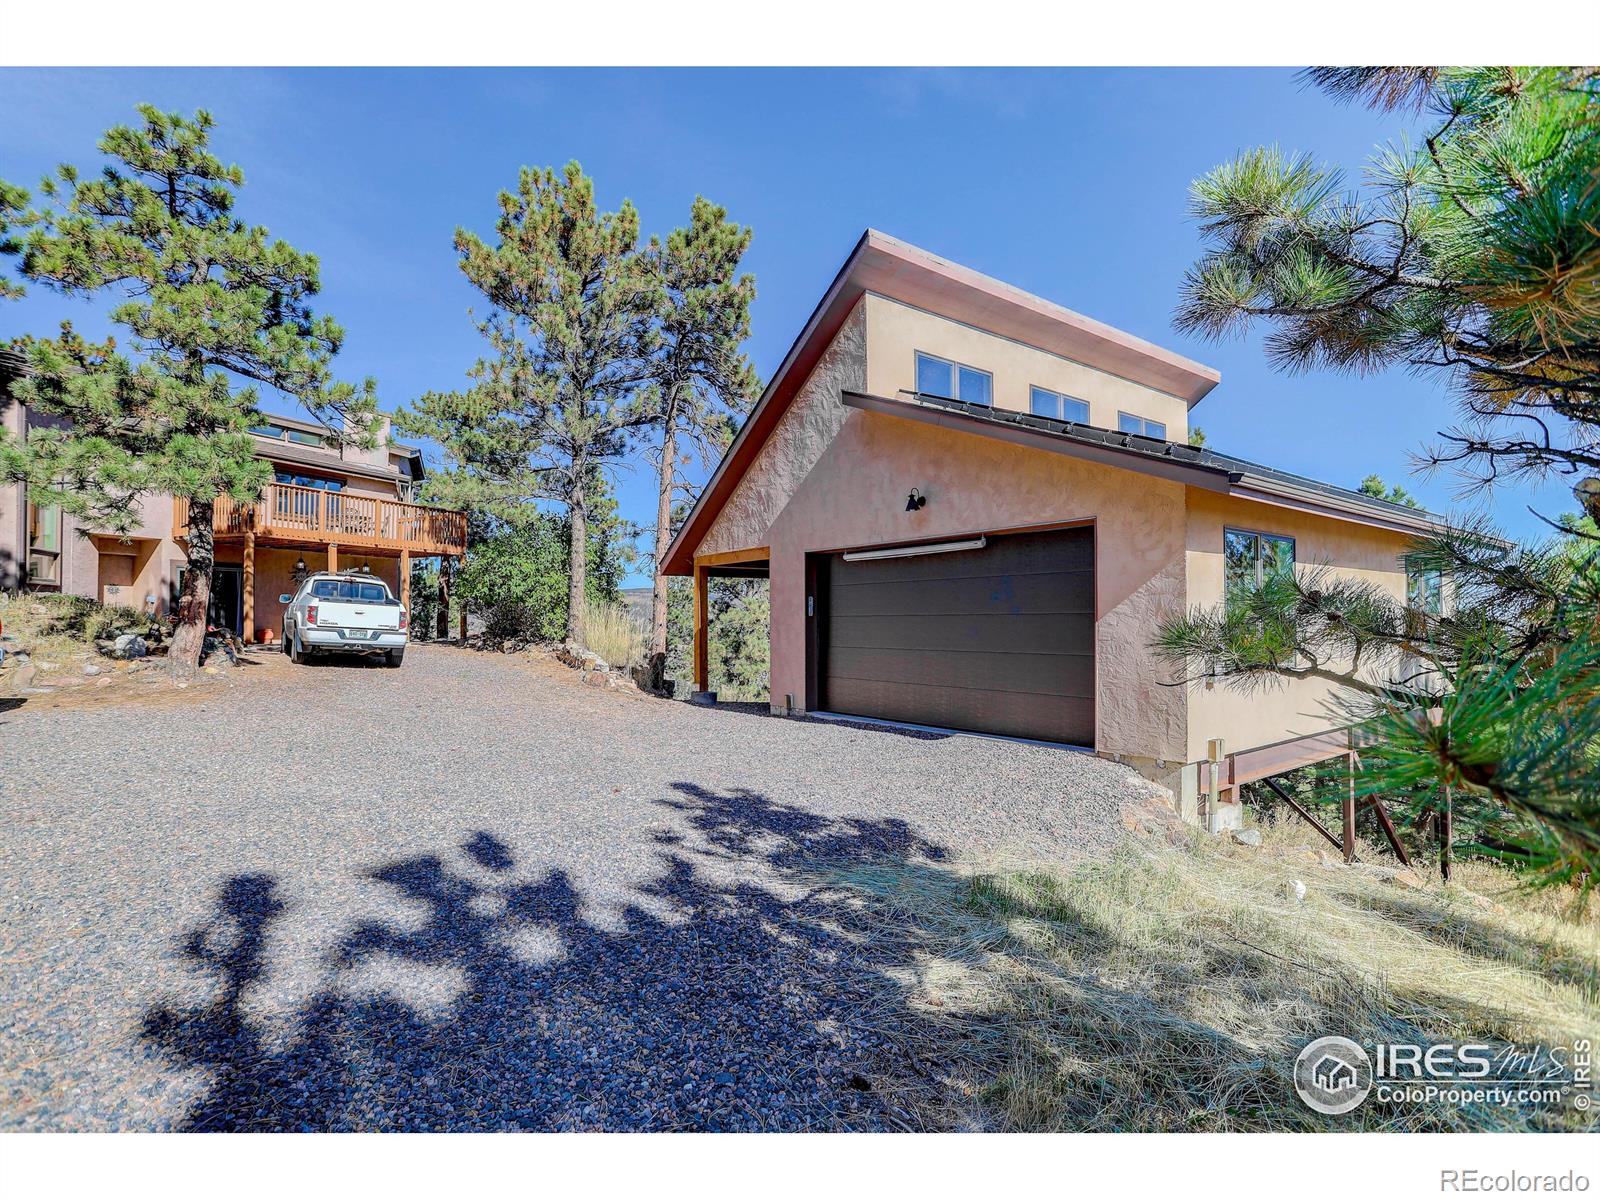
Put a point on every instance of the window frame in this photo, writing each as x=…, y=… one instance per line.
x=1261, y=537
x=1144, y=425
x=956, y=367
x=37, y=549
x=1062, y=399
x=1415, y=576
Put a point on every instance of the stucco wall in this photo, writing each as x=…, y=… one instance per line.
x=1295, y=707
x=814, y=416
x=855, y=496
x=896, y=331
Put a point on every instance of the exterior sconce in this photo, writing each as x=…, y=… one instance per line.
x=366, y=568
x=300, y=565
x=915, y=501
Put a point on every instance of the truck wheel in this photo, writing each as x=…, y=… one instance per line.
x=297, y=653
x=394, y=658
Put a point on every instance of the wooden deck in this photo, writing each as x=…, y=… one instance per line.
x=291, y=515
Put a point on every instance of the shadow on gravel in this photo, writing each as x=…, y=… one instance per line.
x=741, y=1008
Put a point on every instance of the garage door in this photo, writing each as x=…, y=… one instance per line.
x=995, y=640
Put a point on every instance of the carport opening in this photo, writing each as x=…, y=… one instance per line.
x=731, y=608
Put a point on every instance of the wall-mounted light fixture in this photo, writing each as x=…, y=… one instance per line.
x=300, y=564
x=366, y=568
x=915, y=501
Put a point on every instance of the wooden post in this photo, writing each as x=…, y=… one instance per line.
x=1445, y=835
x=462, y=617
x=249, y=575
x=333, y=557
x=702, y=616
x=441, y=619
x=1350, y=806
x=405, y=580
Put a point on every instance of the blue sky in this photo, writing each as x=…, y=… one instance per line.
x=1071, y=184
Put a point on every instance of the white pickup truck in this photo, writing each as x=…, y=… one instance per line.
x=344, y=612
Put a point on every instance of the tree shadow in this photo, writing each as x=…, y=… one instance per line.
x=746, y=999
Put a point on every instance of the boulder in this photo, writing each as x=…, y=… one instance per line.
x=1294, y=891
x=704, y=699
x=1247, y=837
x=129, y=645
x=91, y=670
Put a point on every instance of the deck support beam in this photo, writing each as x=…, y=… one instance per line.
x=249, y=584
x=702, y=613
x=441, y=616
x=405, y=580
x=1349, y=806
x=333, y=558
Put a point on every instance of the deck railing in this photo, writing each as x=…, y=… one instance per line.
x=292, y=513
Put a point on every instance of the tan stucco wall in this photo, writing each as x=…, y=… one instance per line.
x=1295, y=707
x=896, y=331
x=791, y=450
x=855, y=496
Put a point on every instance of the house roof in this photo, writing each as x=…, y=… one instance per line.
x=1194, y=465
x=889, y=267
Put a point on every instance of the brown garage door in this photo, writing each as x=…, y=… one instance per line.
x=997, y=640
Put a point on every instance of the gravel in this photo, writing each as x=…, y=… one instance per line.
x=474, y=894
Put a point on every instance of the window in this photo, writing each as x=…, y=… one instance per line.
x=1129, y=423
x=345, y=589
x=1045, y=403
x=301, y=437
x=1250, y=559
x=1424, y=588
x=315, y=481
x=954, y=381
x=44, y=545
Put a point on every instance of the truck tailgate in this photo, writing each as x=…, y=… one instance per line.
x=348, y=614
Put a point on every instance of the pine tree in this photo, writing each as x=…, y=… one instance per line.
x=1374, y=486
x=14, y=216
x=210, y=304
x=703, y=382
x=1473, y=254
x=569, y=331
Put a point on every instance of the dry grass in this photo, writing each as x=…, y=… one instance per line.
x=611, y=631
x=61, y=629
x=1171, y=988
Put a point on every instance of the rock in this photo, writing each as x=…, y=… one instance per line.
x=47, y=666
x=1294, y=891
x=704, y=699
x=1328, y=862
x=1405, y=877
x=129, y=645
x=1247, y=837
x=596, y=678
x=212, y=670
x=22, y=677
x=91, y=670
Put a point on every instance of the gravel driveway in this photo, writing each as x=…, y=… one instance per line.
x=476, y=894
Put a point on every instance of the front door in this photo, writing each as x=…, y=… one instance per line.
x=227, y=589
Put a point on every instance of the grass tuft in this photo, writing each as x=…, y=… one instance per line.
x=611, y=632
